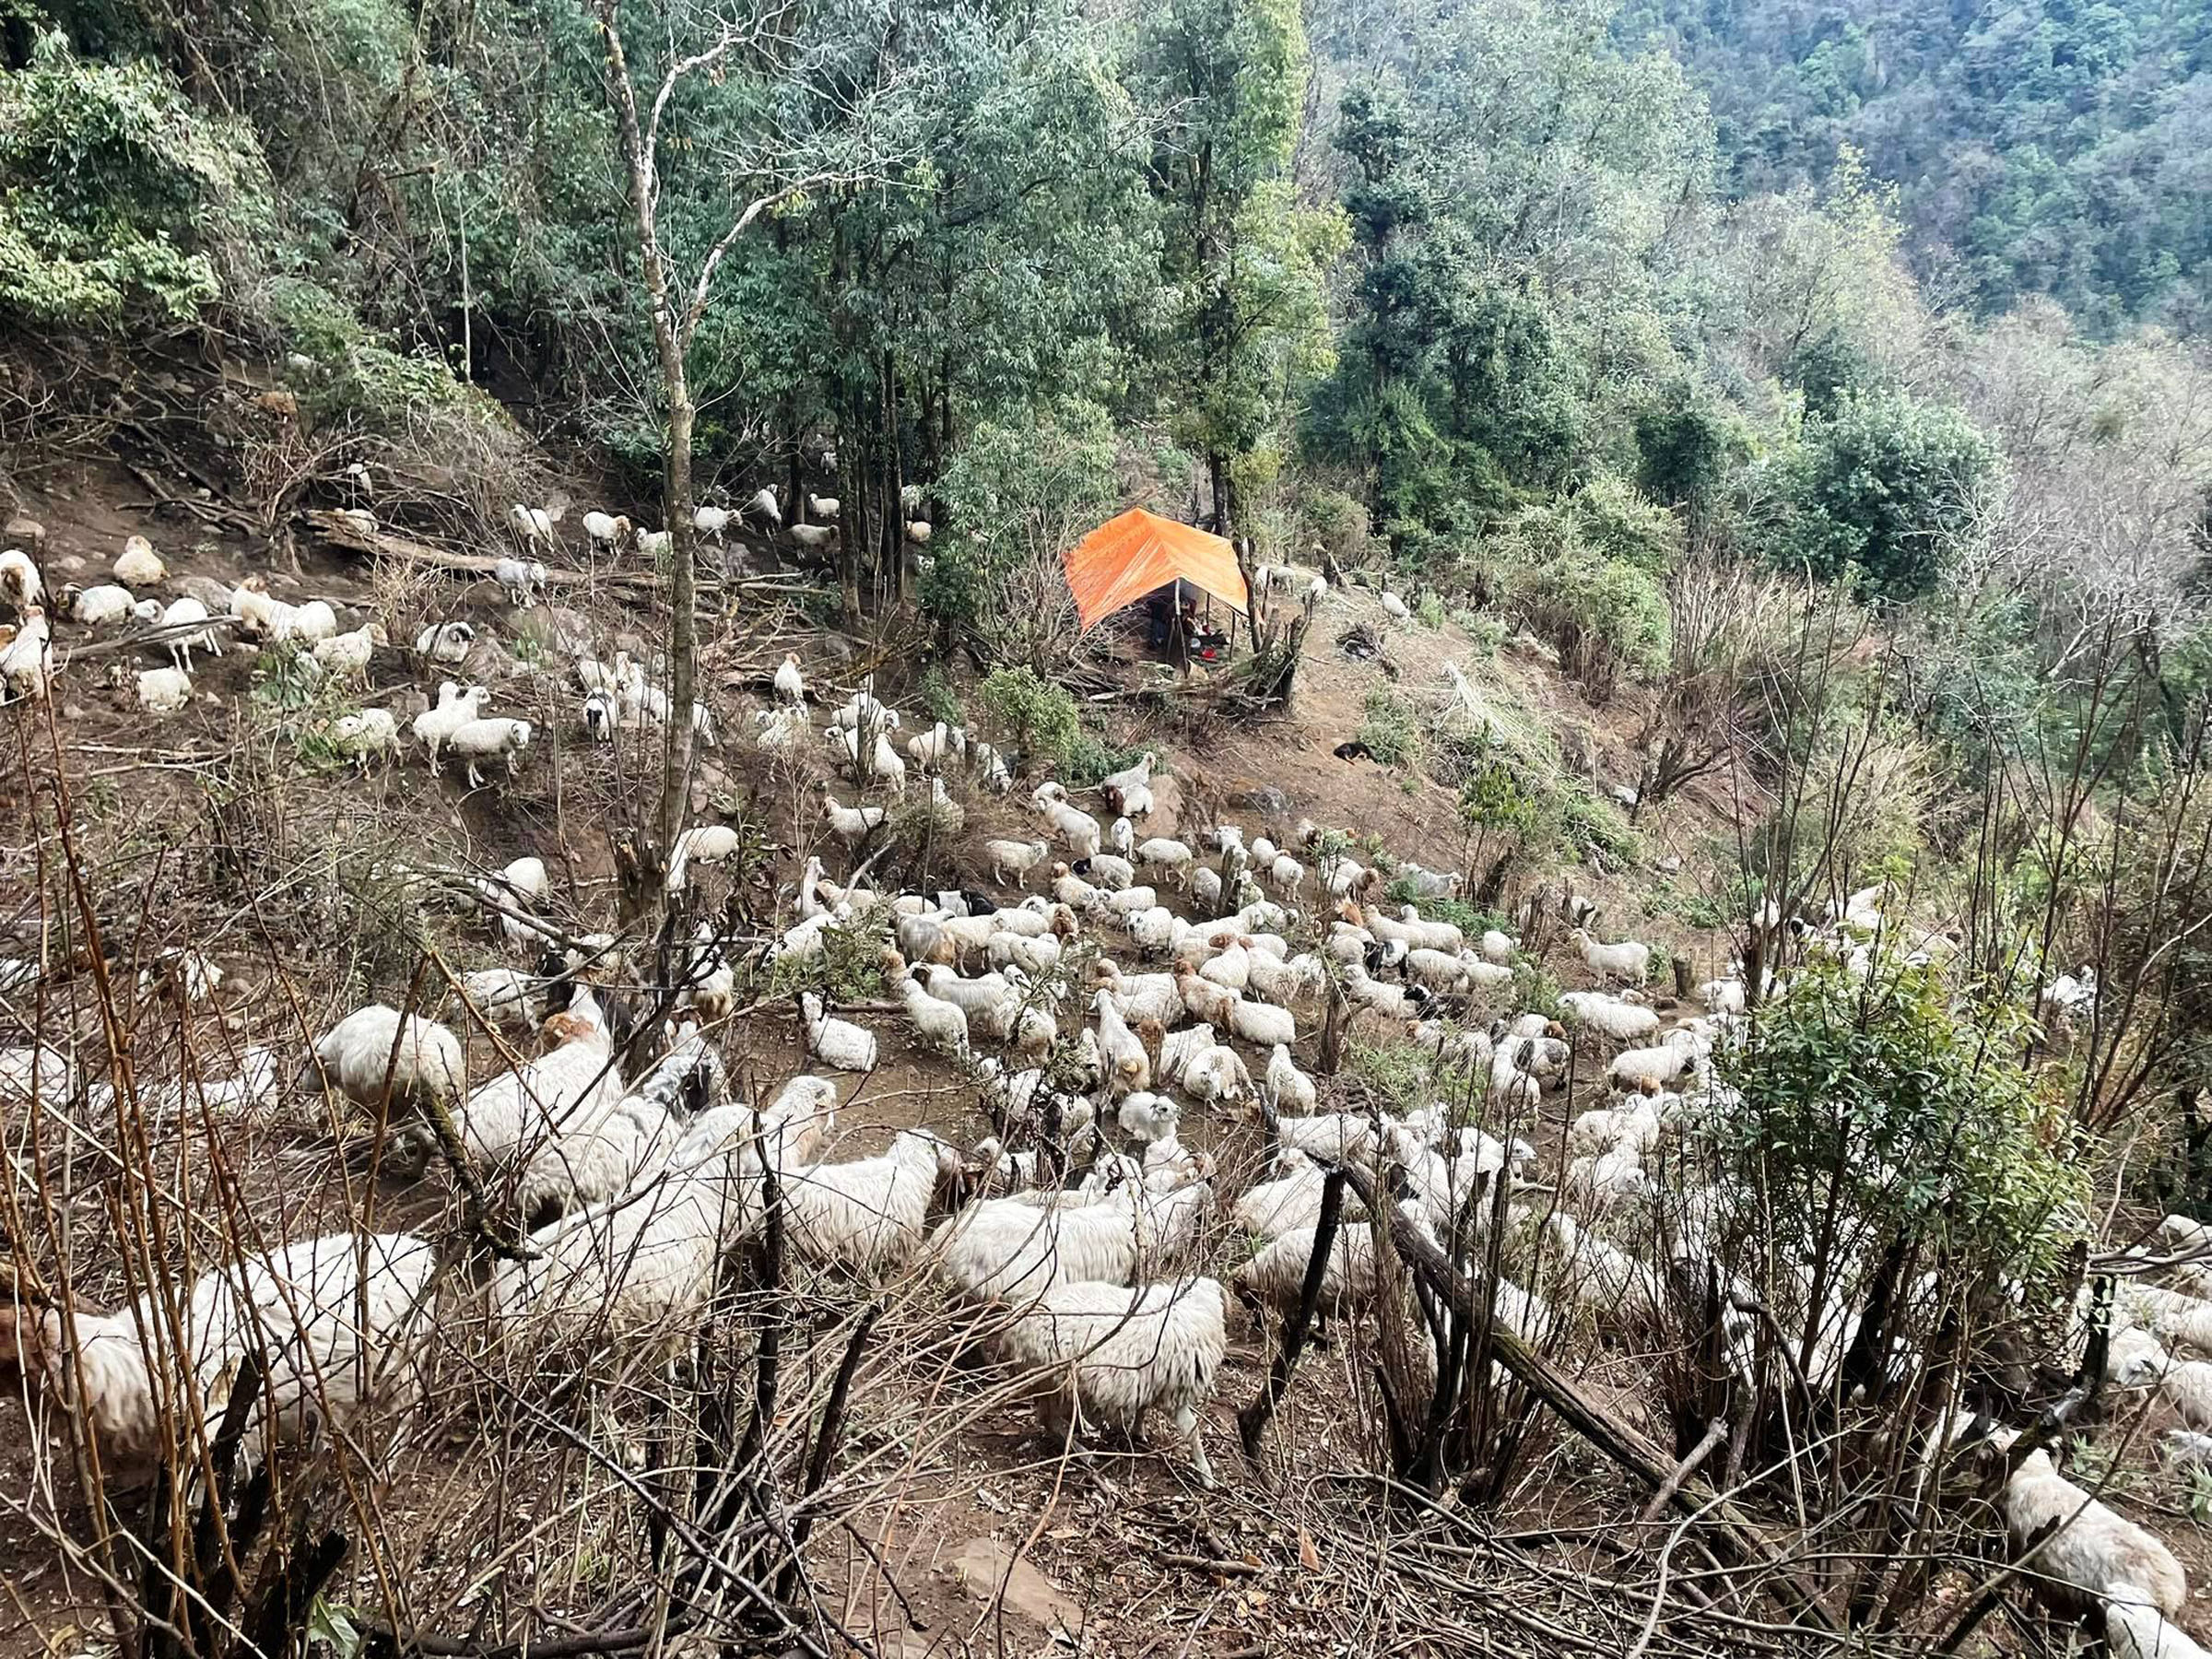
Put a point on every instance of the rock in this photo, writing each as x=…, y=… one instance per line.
x=1264, y=797
x=25, y=533
x=985, y=1566
x=73, y=710
x=69, y=564
x=557, y=629
x=214, y=594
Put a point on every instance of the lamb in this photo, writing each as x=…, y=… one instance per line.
x=1114, y=1354
x=868, y=1214
x=1286, y=874
x=19, y=585
x=455, y=708
x=340, y=1325
x=824, y=508
x=347, y=656
x=838, y=1043
x=479, y=740
x=525, y=581
x=2089, y=1553
x=1609, y=1017
x=138, y=566
x=164, y=690
x=1148, y=1117
x=654, y=544
x=1288, y=1089
x=1020, y=857
x=1628, y=960
x=27, y=657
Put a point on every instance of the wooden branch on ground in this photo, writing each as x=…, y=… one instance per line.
x=1728, y=1525
x=341, y=531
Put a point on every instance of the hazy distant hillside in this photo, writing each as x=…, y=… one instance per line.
x=2054, y=148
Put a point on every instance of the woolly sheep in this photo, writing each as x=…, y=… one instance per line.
x=365, y=733
x=138, y=566
x=867, y=1214
x=421, y=1058
x=1007, y=1251
x=347, y=656
x=1077, y=829
x=447, y=643
x=1148, y=1117
x=516, y=1112
x=473, y=741
x=98, y=607
x=1628, y=960
x=1288, y=1089
x=1680, y=1051
x=838, y=1043
x=339, y=1322
x=1330, y=1135
x=1609, y=1017
x=27, y=658
x=19, y=585
x=454, y=709
x=2134, y=1629
x=2091, y=1552
x=164, y=690
x=1111, y=1355
x=525, y=581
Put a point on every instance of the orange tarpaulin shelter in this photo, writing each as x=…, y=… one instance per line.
x=1126, y=558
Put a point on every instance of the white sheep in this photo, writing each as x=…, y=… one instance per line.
x=2134, y=1629
x=534, y=524
x=605, y=530
x=2088, y=1552
x=764, y=505
x=504, y=997
x=1288, y=1089
x=867, y=1214
x=454, y=709
x=1328, y=1136
x=1609, y=1017
x=445, y=642
x=1140, y=996
x=421, y=1058
x=940, y=1025
x=1075, y=828
x=19, y=585
x=138, y=565
x=1019, y=856
x=518, y=1112
x=1148, y=1117
x=1006, y=1250
x=27, y=658
x=1630, y=961
x=347, y=656
x=525, y=581
x=164, y=690
x=1111, y=1355
x=851, y=824
x=98, y=607
x=1679, y=1053
x=366, y=733
x=1128, y=1068
x=838, y=1043
x=705, y=844
x=475, y=741
x=341, y=1324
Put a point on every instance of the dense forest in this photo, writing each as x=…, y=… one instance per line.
x=1743, y=479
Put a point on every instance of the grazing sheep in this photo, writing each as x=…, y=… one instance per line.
x=1628, y=960
x=1006, y=1250
x=1077, y=829
x=1679, y=1053
x=98, y=607
x=764, y=505
x=517, y=1112
x=1609, y=1017
x=867, y=1214
x=534, y=524
x=706, y=844
x=604, y=531
x=455, y=708
x=1112, y=1354
x=341, y=1324
x=347, y=656
x=181, y=613
x=1332, y=1136
x=478, y=740
x=2134, y=1629
x=1020, y=857
x=364, y=734
x=525, y=581
x=1129, y=1068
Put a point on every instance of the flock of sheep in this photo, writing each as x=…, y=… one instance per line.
x=1150, y=986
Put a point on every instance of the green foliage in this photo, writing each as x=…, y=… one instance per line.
x=1536, y=989
x=1034, y=717
x=1910, y=1118
x=114, y=190
x=1587, y=820
x=1886, y=487
x=1391, y=730
x=1402, y=1074
x=1495, y=799
x=1586, y=575
x=937, y=697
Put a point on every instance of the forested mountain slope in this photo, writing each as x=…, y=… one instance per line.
x=2039, y=147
